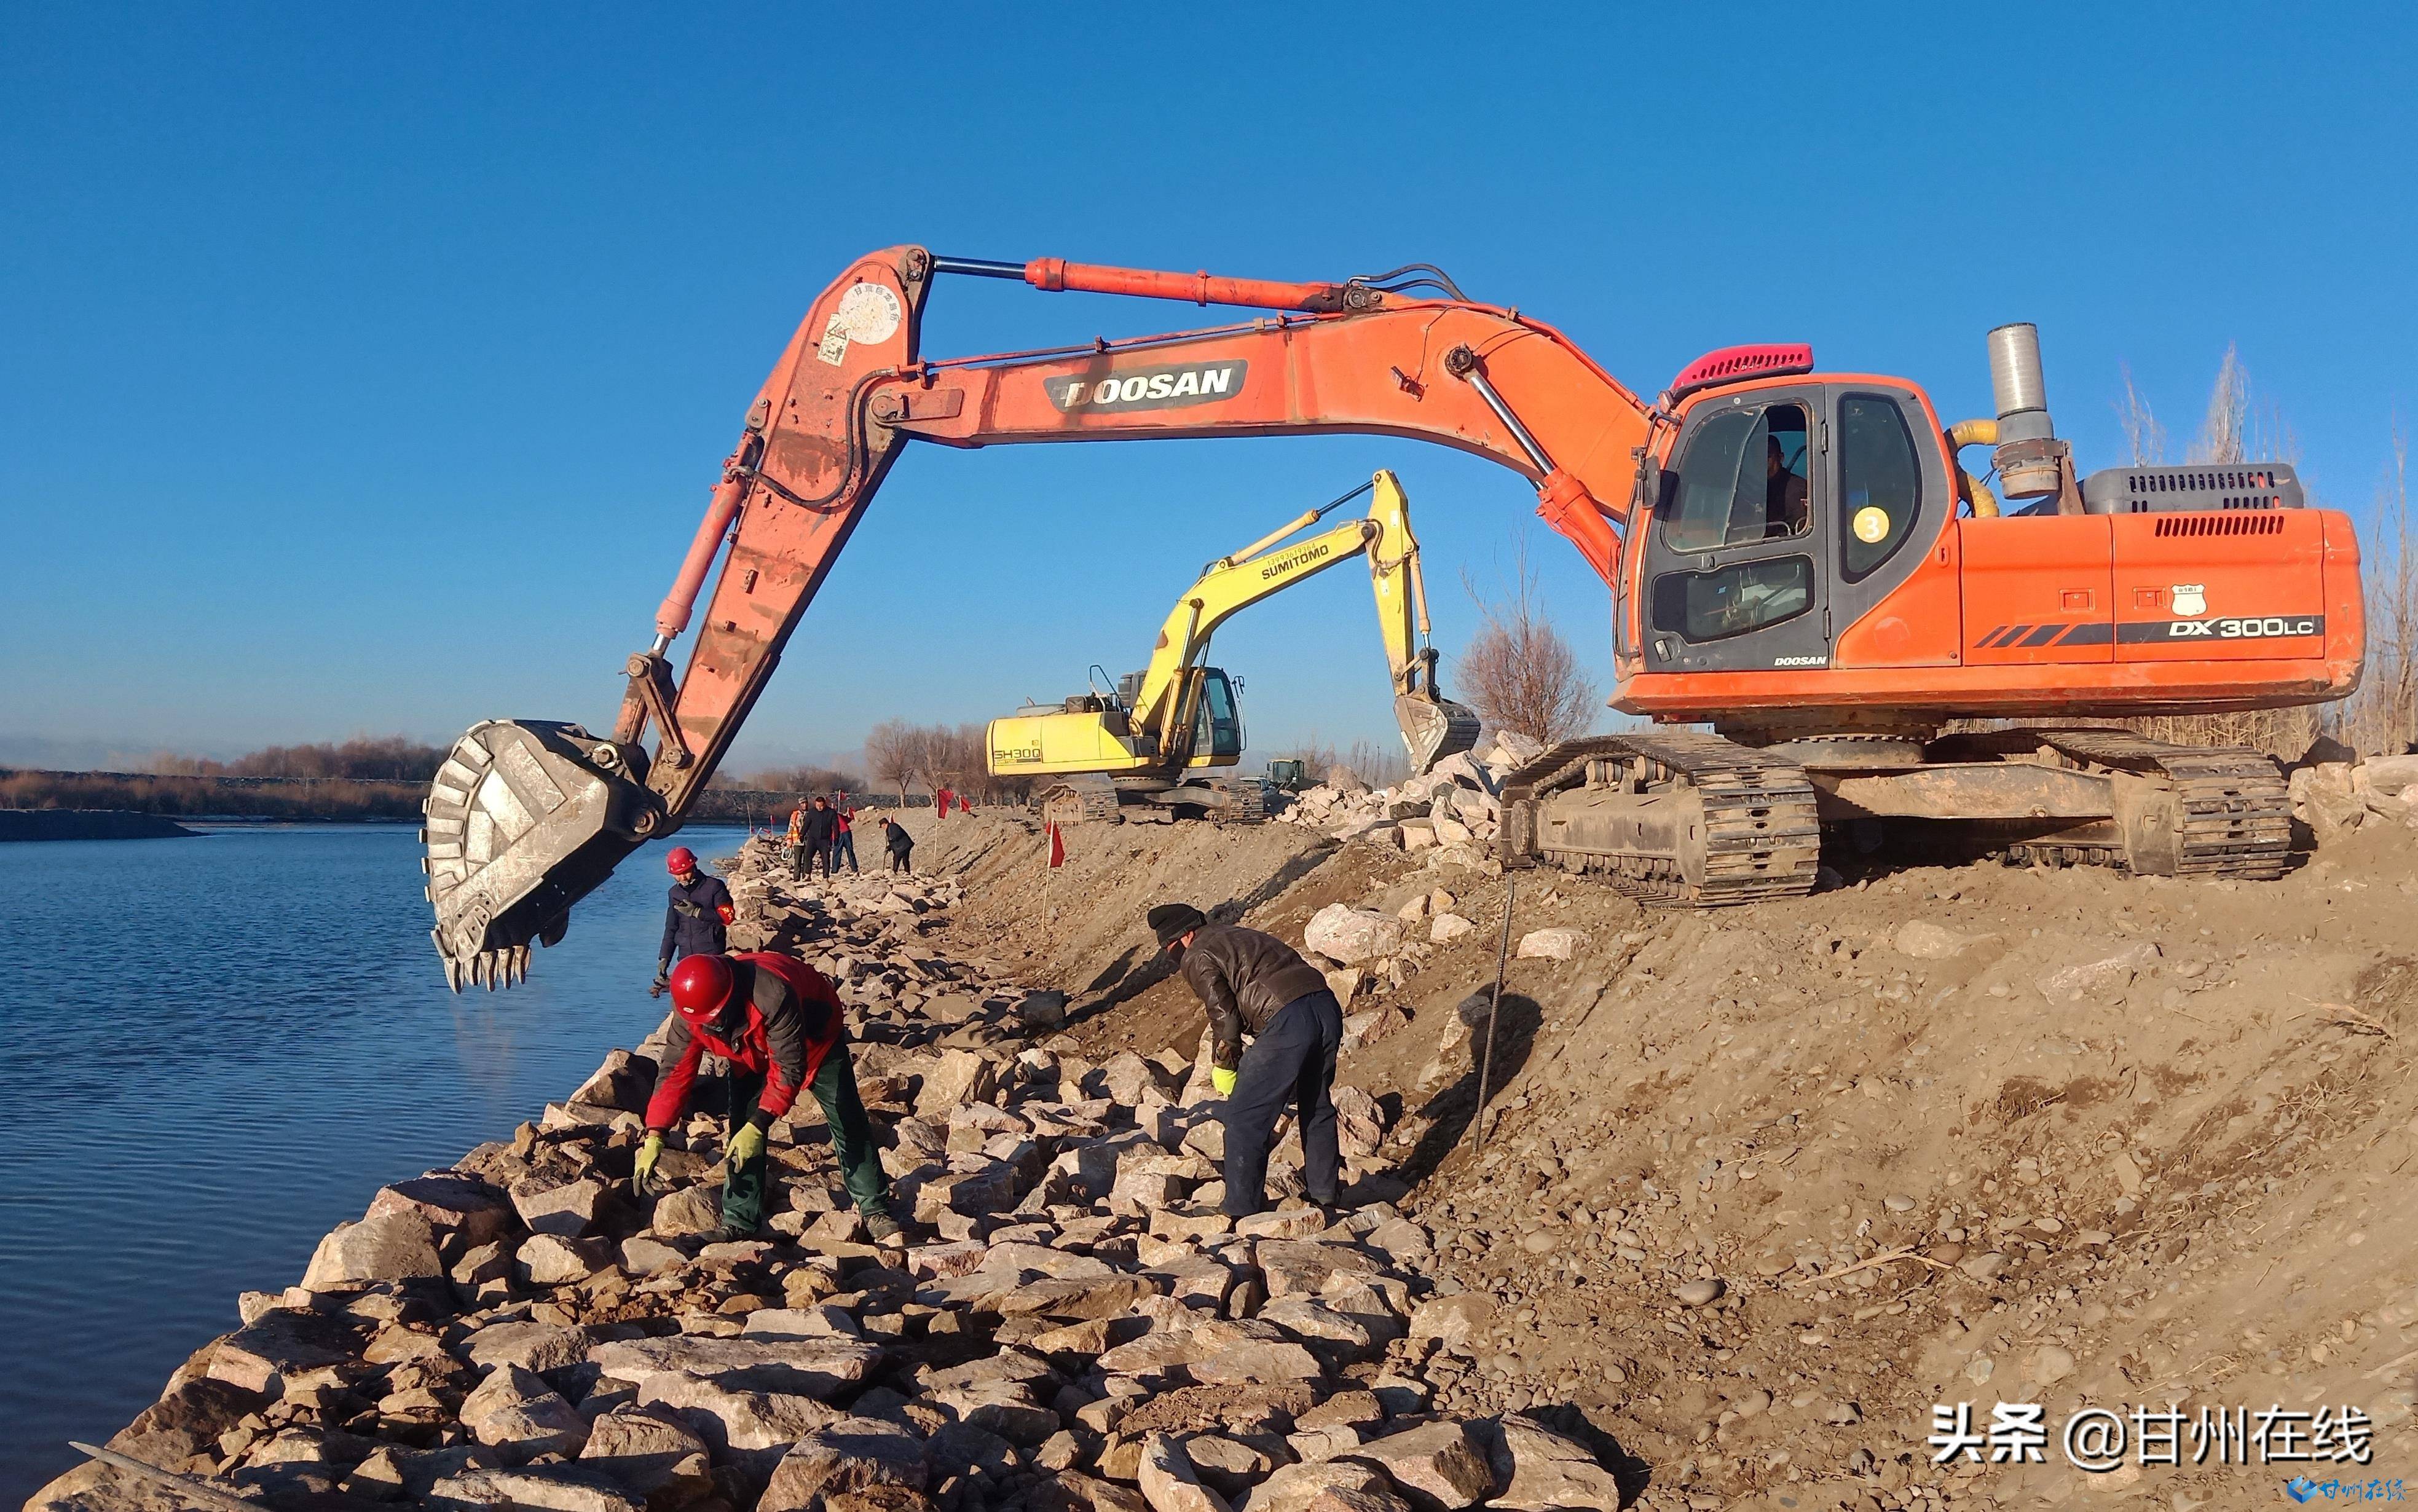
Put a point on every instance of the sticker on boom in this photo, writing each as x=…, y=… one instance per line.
x=1170, y=386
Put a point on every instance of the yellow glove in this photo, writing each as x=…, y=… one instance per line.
x=745, y=1145
x=642, y=1174
x=1221, y=1081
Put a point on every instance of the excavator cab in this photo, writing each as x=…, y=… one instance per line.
x=1217, y=728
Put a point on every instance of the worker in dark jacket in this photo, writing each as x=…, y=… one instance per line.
x=901, y=844
x=784, y=1031
x=1256, y=983
x=699, y=920
x=821, y=825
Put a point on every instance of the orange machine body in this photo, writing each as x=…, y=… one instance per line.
x=2017, y=616
x=1942, y=615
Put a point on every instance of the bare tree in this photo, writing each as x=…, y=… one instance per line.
x=2143, y=435
x=1519, y=670
x=893, y=753
x=2385, y=714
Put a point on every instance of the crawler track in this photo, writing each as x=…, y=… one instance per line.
x=2237, y=809
x=1760, y=838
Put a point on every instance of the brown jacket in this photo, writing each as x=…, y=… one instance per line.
x=1245, y=977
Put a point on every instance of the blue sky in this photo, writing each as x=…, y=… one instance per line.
x=366, y=370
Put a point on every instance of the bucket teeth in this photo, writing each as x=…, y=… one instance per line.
x=507, y=965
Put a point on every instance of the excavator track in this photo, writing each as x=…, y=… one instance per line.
x=1078, y=801
x=1733, y=825
x=1245, y=800
x=1065, y=804
x=2235, y=809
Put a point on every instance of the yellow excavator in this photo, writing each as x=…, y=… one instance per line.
x=1156, y=747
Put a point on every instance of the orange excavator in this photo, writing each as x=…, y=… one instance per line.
x=1795, y=560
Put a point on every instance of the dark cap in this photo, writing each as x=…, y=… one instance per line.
x=1172, y=921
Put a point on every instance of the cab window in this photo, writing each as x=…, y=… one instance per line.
x=1708, y=607
x=1743, y=477
x=1880, y=483
x=1218, y=731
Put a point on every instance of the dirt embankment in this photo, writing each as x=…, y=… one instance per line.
x=1936, y=1136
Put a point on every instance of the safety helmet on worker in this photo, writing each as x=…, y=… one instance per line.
x=701, y=986
x=681, y=862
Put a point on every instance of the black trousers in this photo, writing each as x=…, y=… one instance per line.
x=1292, y=1062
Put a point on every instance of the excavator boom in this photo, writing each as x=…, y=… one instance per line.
x=1805, y=574
x=505, y=863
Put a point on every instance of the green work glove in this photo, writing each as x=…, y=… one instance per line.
x=745, y=1145
x=642, y=1173
x=1221, y=1081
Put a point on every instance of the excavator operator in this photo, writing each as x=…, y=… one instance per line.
x=1784, y=509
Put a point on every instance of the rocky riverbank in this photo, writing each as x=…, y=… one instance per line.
x=1074, y=1328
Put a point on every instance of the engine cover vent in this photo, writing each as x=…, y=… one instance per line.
x=2223, y=524
x=2237, y=486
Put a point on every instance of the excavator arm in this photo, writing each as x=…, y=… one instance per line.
x=1431, y=725
x=1225, y=588
x=526, y=817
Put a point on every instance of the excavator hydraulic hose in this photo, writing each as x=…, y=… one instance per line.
x=1975, y=433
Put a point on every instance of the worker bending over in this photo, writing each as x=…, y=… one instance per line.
x=698, y=920
x=778, y=1023
x=1257, y=983
x=901, y=845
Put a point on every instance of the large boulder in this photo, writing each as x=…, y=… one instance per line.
x=849, y=1455
x=2388, y=776
x=1168, y=1481
x=551, y=1260
x=520, y=1416
x=623, y=1082
x=464, y=1211
x=1544, y=1471
x=539, y=1489
x=535, y=1347
x=957, y=1078
x=186, y=1420
x=282, y=1342
x=651, y=1451
x=1437, y=1467
x=397, y=1247
x=1353, y=936
x=738, y=1418
x=823, y=1367
x=569, y=1210
x=1557, y=944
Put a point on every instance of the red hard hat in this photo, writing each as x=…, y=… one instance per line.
x=700, y=985
x=681, y=860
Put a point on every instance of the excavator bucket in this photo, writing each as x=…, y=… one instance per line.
x=524, y=819
x=1434, y=728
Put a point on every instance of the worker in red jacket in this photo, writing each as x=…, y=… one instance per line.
x=783, y=1030
x=843, y=835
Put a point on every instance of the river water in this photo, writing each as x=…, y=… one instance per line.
x=212, y=1051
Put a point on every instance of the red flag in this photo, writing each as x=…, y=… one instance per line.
x=1057, y=849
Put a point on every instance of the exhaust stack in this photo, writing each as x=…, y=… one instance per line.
x=2032, y=460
